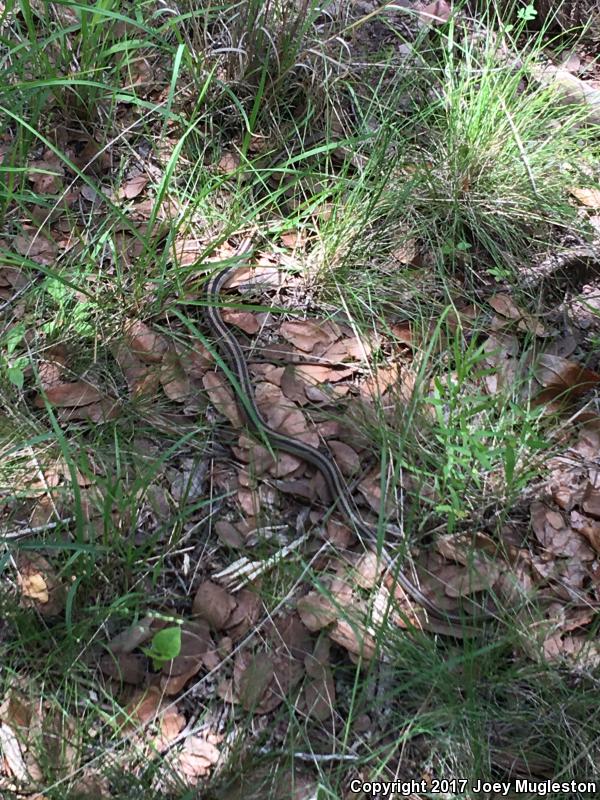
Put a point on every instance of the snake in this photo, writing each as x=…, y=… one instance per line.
x=239, y=376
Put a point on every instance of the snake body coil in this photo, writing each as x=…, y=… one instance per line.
x=234, y=358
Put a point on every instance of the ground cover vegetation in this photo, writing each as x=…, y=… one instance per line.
x=409, y=194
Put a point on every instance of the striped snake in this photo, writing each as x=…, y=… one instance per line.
x=239, y=376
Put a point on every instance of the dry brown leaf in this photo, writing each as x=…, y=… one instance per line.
x=52, y=367
x=221, y=396
x=561, y=378
x=229, y=534
x=133, y=187
x=244, y=320
x=172, y=722
x=289, y=635
x=345, y=457
x=176, y=384
x=143, y=707
x=213, y=603
x=353, y=637
x=39, y=584
x=589, y=528
x=16, y=710
x=315, y=374
x=316, y=611
x=407, y=251
x=587, y=196
x=127, y=667
x=269, y=373
x=76, y=393
x=261, y=276
x=12, y=754
x=291, y=239
x=245, y=615
x=504, y=305
x=367, y=569
x=90, y=787
x=591, y=501
x=142, y=379
x=197, y=758
x=303, y=488
x=104, y=411
x=229, y=162
x=309, y=335
x=461, y=582
x=436, y=13
x=35, y=246
x=319, y=690
x=187, y=251
x=338, y=533
x=370, y=488
x=196, y=360
x=379, y=382
x=252, y=675
x=292, y=386
x=46, y=176
x=555, y=535
x=144, y=343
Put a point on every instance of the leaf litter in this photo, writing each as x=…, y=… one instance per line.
x=296, y=663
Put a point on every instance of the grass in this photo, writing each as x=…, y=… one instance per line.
x=439, y=142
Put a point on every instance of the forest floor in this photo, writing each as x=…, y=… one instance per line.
x=408, y=197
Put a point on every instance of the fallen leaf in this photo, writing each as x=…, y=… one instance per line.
x=505, y=305
x=587, y=196
x=143, y=708
x=436, y=13
x=228, y=534
x=244, y=320
x=39, y=584
x=125, y=667
x=52, y=367
x=12, y=754
x=591, y=501
x=315, y=374
x=221, y=396
x=104, y=411
x=252, y=675
x=133, y=636
x=555, y=535
x=229, y=162
x=245, y=615
x=176, y=384
x=133, y=187
x=213, y=603
x=144, y=342
x=316, y=611
x=319, y=690
x=196, y=758
x=35, y=246
x=309, y=335
x=46, y=176
x=353, y=637
x=345, y=457
x=380, y=381
x=292, y=386
x=77, y=393
x=172, y=722
x=561, y=378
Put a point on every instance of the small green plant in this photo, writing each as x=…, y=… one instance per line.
x=15, y=365
x=165, y=645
